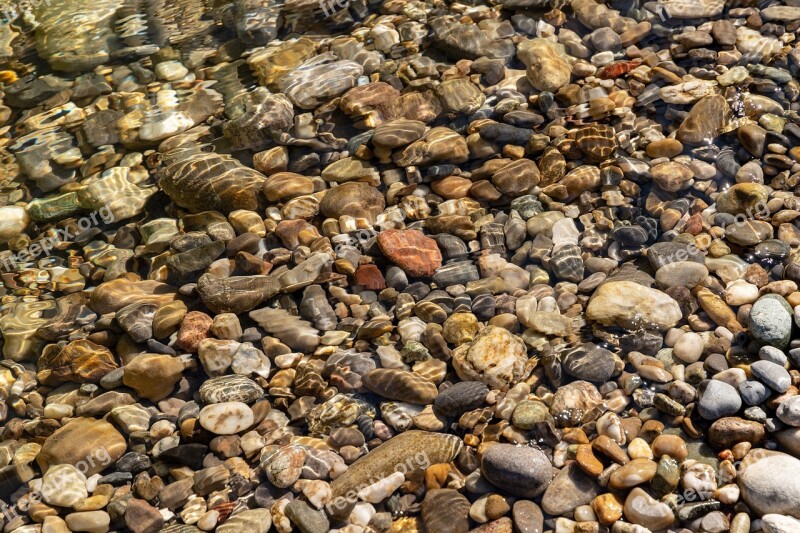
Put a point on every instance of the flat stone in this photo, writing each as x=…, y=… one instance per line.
x=227, y=418
x=411, y=250
x=153, y=376
x=569, y=489
x=88, y=444
x=632, y=306
x=397, y=454
x=773, y=375
x=519, y=470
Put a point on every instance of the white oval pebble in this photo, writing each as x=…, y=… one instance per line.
x=689, y=347
x=227, y=418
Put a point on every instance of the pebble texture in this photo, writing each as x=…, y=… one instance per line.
x=388, y=266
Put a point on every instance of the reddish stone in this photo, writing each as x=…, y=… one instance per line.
x=694, y=225
x=411, y=250
x=369, y=276
x=141, y=517
x=194, y=328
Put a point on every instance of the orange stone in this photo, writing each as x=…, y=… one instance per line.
x=587, y=461
x=417, y=254
x=194, y=328
x=369, y=276
x=608, y=508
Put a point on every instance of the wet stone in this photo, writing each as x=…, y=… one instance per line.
x=501, y=465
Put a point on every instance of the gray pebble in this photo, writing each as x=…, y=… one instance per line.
x=771, y=320
x=770, y=353
x=719, y=400
x=518, y=470
x=754, y=392
x=788, y=411
x=772, y=375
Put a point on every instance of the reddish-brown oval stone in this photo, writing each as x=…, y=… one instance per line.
x=411, y=250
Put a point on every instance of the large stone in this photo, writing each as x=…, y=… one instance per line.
x=568, y=490
x=88, y=444
x=411, y=250
x=548, y=67
x=408, y=452
x=153, y=376
x=497, y=358
x=770, y=482
x=518, y=470
x=632, y=306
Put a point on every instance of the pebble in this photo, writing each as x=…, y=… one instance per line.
x=460, y=398
x=141, y=517
x=411, y=250
x=518, y=470
x=496, y=357
x=652, y=308
x=398, y=454
x=569, y=489
x=226, y=418
x=400, y=385
x=153, y=376
x=726, y=432
x=753, y=392
x=445, y=510
x=90, y=521
x=589, y=362
x=643, y=510
x=689, y=347
x=788, y=411
x=633, y=473
x=568, y=238
x=776, y=523
x=307, y=519
x=528, y=516
x=769, y=483
x=772, y=375
x=718, y=400
x=771, y=320
x=257, y=520
x=64, y=485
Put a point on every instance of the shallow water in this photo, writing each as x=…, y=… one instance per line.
x=554, y=224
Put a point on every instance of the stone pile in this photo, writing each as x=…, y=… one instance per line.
x=400, y=266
